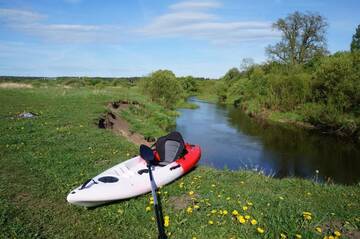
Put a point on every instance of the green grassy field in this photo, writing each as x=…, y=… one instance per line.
x=43, y=158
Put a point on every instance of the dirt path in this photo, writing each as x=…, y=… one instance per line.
x=119, y=125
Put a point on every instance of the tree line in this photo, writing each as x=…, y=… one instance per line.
x=300, y=77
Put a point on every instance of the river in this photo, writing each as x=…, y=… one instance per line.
x=232, y=140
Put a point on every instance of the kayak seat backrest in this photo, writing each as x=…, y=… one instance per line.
x=170, y=147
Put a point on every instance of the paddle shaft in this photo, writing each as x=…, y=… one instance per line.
x=158, y=212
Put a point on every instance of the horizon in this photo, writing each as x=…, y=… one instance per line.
x=89, y=38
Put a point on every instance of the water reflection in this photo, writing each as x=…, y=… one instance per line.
x=231, y=139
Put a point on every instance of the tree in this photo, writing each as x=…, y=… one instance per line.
x=231, y=75
x=355, y=43
x=163, y=87
x=303, y=37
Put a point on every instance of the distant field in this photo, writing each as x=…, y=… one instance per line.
x=43, y=158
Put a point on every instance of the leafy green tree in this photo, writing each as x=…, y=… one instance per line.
x=232, y=75
x=355, y=43
x=189, y=84
x=163, y=87
x=303, y=37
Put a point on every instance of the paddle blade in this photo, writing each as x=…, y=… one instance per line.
x=146, y=153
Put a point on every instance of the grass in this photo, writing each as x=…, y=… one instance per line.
x=43, y=158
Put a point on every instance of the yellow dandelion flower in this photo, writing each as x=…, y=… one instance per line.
x=191, y=193
x=241, y=219
x=245, y=208
x=331, y=237
x=189, y=210
x=225, y=212
x=253, y=222
x=318, y=229
x=282, y=236
x=166, y=221
x=307, y=213
x=260, y=230
x=213, y=211
x=147, y=209
x=151, y=202
x=194, y=237
x=307, y=217
x=210, y=222
x=337, y=233
x=247, y=217
x=235, y=213
x=298, y=236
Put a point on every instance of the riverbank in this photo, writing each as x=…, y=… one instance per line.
x=43, y=158
x=252, y=109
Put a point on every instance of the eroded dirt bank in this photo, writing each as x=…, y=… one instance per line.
x=111, y=120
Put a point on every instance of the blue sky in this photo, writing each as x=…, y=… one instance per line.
x=136, y=37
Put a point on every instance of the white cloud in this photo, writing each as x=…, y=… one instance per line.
x=34, y=24
x=190, y=19
x=191, y=5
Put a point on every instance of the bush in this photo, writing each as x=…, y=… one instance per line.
x=337, y=82
x=163, y=88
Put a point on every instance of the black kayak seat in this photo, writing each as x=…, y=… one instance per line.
x=170, y=147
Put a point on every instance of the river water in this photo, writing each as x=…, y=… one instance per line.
x=230, y=139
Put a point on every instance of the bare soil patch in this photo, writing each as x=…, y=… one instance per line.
x=180, y=202
x=15, y=85
x=118, y=125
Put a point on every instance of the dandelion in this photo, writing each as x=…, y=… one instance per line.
x=166, y=221
x=191, y=193
x=260, y=230
x=253, y=222
x=225, y=212
x=235, y=213
x=241, y=219
x=194, y=237
x=318, y=229
x=213, y=211
x=210, y=222
x=298, y=236
x=337, y=233
x=307, y=216
x=247, y=217
x=189, y=210
x=331, y=237
x=245, y=208
x=147, y=209
x=282, y=236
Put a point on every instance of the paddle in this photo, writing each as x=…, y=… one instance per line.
x=148, y=155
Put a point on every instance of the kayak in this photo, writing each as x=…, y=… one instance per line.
x=131, y=178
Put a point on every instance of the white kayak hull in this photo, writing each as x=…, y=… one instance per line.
x=130, y=183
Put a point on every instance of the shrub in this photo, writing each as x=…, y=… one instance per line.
x=163, y=88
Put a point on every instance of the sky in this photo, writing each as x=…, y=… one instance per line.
x=121, y=38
